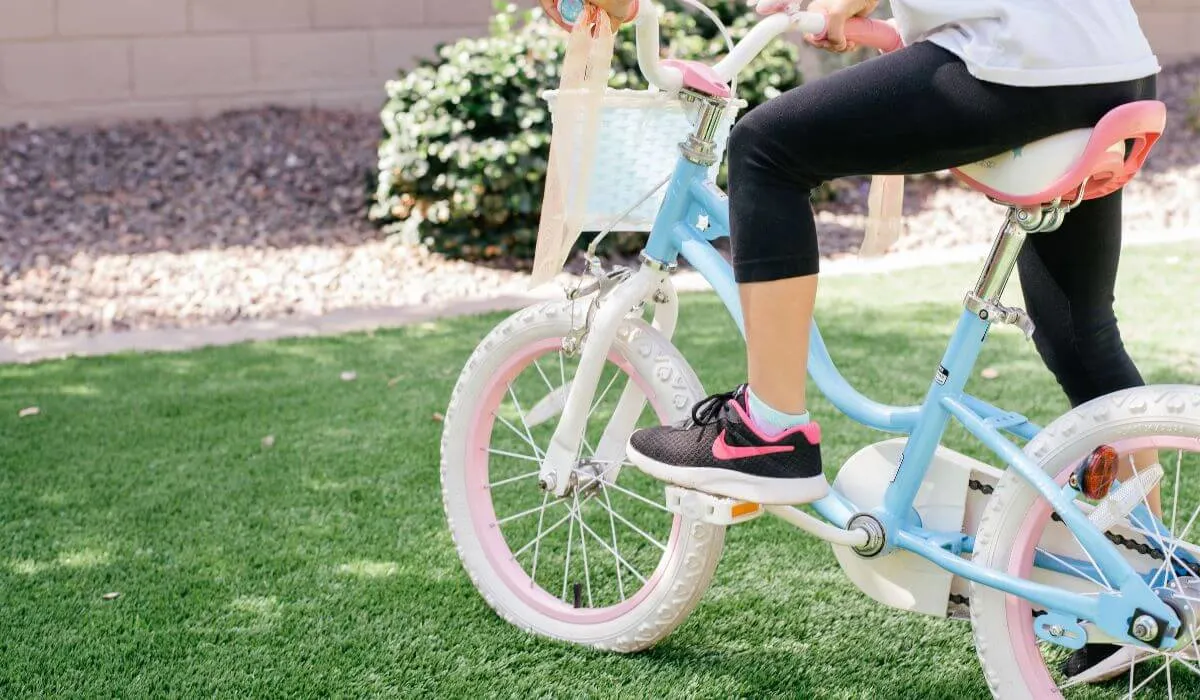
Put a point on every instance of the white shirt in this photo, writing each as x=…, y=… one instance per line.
x=1034, y=43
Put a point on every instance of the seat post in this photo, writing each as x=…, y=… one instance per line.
x=1003, y=258
x=984, y=300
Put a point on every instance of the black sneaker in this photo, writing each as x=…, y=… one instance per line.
x=1096, y=663
x=719, y=451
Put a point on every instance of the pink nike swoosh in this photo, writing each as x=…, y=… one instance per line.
x=724, y=451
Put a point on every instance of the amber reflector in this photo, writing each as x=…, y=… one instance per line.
x=1097, y=472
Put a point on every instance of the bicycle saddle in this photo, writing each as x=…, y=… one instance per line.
x=1092, y=162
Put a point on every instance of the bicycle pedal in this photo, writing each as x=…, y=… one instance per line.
x=1120, y=503
x=705, y=507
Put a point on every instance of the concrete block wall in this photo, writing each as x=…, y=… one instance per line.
x=1173, y=27
x=88, y=60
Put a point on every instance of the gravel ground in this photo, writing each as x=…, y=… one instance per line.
x=261, y=213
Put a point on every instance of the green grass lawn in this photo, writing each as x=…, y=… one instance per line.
x=320, y=565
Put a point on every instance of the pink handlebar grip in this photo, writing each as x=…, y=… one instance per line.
x=874, y=33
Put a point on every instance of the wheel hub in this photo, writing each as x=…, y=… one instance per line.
x=585, y=478
x=1186, y=604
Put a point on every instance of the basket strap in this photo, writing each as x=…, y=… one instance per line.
x=573, y=143
x=885, y=209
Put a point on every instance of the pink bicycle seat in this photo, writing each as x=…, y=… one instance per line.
x=1105, y=158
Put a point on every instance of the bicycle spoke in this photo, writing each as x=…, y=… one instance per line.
x=639, y=497
x=1074, y=568
x=537, y=540
x=587, y=574
x=1145, y=680
x=1196, y=653
x=1183, y=662
x=618, y=557
x=1152, y=528
x=1094, y=564
x=1169, y=553
x=631, y=526
x=528, y=441
x=510, y=479
x=1157, y=535
x=523, y=513
x=567, y=565
x=520, y=412
x=540, y=536
x=612, y=525
x=1176, y=541
x=514, y=455
x=604, y=393
x=1175, y=494
x=534, y=529
x=538, y=367
x=1187, y=528
x=1132, y=670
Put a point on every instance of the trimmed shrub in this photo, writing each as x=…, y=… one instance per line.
x=467, y=136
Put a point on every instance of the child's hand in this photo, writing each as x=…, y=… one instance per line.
x=838, y=11
x=619, y=11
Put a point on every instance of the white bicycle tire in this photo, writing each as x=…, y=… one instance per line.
x=1125, y=415
x=673, y=389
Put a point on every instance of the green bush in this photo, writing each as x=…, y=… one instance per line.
x=467, y=135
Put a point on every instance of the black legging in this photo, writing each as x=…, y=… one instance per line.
x=919, y=110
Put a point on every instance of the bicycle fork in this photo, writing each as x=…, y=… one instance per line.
x=611, y=308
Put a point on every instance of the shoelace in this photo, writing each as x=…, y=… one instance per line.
x=708, y=410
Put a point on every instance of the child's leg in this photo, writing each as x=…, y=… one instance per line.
x=916, y=110
x=775, y=328
x=1068, y=277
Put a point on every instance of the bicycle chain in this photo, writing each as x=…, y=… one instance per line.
x=1119, y=540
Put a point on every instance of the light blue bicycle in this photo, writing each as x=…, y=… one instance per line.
x=564, y=538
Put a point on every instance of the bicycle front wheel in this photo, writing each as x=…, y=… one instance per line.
x=1148, y=428
x=608, y=565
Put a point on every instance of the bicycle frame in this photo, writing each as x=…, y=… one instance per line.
x=694, y=213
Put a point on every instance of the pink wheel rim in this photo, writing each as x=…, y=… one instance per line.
x=1019, y=612
x=492, y=540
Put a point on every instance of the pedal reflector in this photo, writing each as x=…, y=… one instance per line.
x=705, y=507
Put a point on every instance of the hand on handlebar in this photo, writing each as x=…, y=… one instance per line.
x=619, y=11
x=837, y=12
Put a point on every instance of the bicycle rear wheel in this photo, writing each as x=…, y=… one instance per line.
x=608, y=565
x=1019, y=525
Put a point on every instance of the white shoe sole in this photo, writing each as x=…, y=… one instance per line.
x=733, y=484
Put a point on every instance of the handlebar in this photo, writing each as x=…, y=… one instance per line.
x=867, y=32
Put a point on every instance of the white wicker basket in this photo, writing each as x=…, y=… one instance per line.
x=637, y=147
